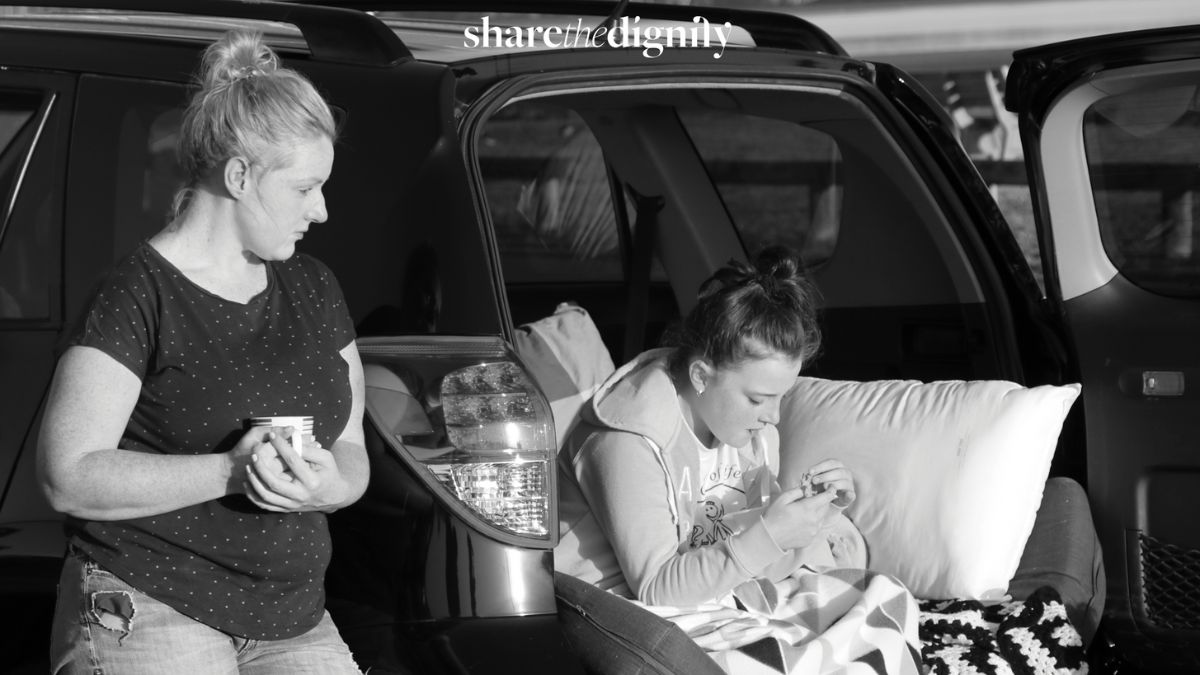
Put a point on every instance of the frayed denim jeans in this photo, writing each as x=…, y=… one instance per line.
x=103, y=626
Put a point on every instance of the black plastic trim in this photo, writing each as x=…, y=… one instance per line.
x=334, y=34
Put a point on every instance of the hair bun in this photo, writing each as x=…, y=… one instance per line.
x=241, y=55
x=779, y=262
x=773, y=264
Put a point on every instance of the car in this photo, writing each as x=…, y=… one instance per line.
x=493, y=164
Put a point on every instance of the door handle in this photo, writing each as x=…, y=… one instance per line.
x=1162, y=383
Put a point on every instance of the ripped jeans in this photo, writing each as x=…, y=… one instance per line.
x=102, y=625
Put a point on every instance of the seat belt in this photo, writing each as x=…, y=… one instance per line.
x=645, y=232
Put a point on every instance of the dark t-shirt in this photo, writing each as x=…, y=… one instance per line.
x=206, y=365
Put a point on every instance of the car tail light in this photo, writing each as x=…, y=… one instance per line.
x=474, y=425
x=494, y=414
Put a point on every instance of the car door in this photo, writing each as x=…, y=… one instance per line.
x=1111, y=128
x=34, y=113
x=34, y=117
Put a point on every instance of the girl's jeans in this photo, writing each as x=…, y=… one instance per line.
x=102, y=625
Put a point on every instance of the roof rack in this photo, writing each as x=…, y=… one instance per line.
x=769, y=29
x=336, y=34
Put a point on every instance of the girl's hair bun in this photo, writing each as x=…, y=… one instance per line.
x=744, y=309
x=779, y=263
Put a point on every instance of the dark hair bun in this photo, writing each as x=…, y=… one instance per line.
x=744, y=309
x=780, y=263
x=773, y=264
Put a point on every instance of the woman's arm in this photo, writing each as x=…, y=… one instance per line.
x=627, y=489
x=350, y=449
x=82, y=471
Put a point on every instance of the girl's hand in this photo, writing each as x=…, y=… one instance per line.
x=832, y=475
x=794, y=521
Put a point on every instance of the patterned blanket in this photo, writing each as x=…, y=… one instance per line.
x=839, y=621
x=854, y=621
x=1030, y=637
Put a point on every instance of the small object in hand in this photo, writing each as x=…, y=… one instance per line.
x=810, y=488
x=302, y=425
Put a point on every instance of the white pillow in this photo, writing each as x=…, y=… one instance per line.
x=567, y=358
x=948, y=475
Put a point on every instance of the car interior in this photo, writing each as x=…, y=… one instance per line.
x=817, y=172
x=813, y=165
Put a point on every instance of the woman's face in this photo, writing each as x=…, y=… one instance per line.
x=284, y=199
x=740, y=399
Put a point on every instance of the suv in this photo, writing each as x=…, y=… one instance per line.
x=486, y=173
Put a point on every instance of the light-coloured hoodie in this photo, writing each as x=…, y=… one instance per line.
x=648, y=512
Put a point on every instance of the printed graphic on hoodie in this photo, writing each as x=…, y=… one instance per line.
x=726, y=498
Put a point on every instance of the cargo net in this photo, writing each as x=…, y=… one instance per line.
x=1170, y=584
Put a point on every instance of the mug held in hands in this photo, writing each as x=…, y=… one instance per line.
x=302, y=425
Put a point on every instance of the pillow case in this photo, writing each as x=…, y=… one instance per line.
x=948, y=475
x=567, y=358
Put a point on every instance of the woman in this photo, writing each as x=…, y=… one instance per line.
x=197, y=546
x=669, y=497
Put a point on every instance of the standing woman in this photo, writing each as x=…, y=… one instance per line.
x=196, y=546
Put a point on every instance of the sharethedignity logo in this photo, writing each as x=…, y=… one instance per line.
x=652, y=39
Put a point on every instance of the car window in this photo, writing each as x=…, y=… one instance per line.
x=26, y=246
x=1143, y=154
x=148, y=173
x=780, y=181
x=551, y=201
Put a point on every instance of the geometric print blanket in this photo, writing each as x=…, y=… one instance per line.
x=1030, y=637
x=851, y=621
x=836, y=621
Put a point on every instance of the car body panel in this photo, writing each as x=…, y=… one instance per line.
x=1106, y=123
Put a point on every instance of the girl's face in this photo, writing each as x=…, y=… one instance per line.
x=739, y=399
x=284, y=199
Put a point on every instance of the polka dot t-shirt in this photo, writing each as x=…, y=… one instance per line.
x=207, y=364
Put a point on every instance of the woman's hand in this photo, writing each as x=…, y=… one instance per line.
x=279, y=479
x=832, y=475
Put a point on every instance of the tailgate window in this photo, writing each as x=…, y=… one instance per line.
x=1143, y=153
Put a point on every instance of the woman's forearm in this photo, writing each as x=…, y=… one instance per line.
x=353, y=465
x=121, y=484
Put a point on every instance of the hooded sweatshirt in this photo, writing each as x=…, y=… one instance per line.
x=648, y=512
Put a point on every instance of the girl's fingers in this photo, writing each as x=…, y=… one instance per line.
x=826, y=465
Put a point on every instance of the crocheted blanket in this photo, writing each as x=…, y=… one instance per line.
x=1030, y=637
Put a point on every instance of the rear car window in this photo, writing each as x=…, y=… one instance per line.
x=1143, y=154
x=780, y=181
x=26, y=234
x=551, y=201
